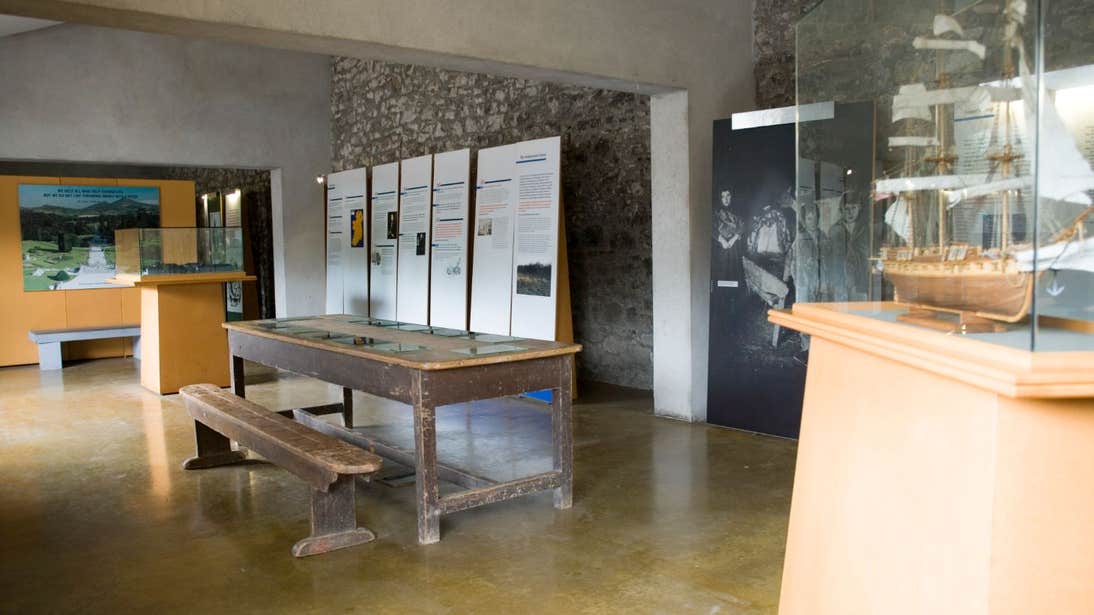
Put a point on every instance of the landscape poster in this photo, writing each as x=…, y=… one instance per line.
x=68, y=231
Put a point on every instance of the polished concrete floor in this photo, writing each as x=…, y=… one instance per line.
x=96, y=515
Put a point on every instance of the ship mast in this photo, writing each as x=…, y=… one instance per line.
x=1007, y=156
x=944, y=159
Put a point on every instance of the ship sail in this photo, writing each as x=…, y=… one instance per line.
x=920, y=96
x=1064, y=173
x=909, y=111
x=899, y=218
x=955, y=196
x=946, y=23
x=913, y=142
x=922, y=42
x=928, y=182
x=1074, y=255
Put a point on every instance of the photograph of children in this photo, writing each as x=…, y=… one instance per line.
x=419, y=246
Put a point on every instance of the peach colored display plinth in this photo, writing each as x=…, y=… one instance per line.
x=938, y=474
x=182, y=341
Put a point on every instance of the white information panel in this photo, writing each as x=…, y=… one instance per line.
x=448, y=278
x=492, y=276
x=415, y=204
x=233, y=208
x=383, y=241
x=336, y=228
x=535, y=277
x=347, y=254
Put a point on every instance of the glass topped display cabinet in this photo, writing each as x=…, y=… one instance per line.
x=977, y=218
x=145, y=254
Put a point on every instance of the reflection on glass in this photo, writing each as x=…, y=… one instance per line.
x=483, y=350
x=491, y=337
x=398, y=348
x=166, y=251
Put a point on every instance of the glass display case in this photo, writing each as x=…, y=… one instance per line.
x=144, y=252
x=977, y=217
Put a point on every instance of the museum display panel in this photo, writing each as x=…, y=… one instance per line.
x=143, y=253
x=977, y=218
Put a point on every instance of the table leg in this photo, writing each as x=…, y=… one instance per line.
x=347, y=407
x=562, y=424
x=238, y=387
x=425, y=479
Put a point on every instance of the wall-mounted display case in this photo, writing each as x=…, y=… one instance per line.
x=978, y=216
x=155, y=252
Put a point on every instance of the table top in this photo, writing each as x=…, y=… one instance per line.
x=399, y=343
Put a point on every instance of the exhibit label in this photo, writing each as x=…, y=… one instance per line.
x=495, y=206
x=415, y=200
x=384, y=238
x=448, y=278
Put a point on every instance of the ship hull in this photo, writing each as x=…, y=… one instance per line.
x=996, y=295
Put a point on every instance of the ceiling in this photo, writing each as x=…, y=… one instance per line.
x=10, y=24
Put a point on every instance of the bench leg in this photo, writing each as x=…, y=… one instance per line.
x=333, y=520
x=137, y=347
x=213, y=450
x=49, y=356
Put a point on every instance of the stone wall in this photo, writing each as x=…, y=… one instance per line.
x=859, y=49
x=383, y=112
x=773, y=49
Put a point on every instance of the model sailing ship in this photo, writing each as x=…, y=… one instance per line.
x=936, y=270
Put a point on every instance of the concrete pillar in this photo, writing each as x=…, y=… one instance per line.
x=672, y=322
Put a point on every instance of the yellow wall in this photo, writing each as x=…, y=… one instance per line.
x=22, y=311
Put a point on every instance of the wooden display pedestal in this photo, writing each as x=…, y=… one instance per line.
x=938, y=474
x=182, y=341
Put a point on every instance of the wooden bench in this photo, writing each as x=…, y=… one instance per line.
x=327, y=464
x=49, y=341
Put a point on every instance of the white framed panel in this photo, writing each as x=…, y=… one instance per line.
x=335, y=232
x=495, y=206
x=347, y=243
x=415, y=219
x=535, y=240
x=450, y=238
x=384, y=241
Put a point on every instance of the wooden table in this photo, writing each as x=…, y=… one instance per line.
x=425, y=368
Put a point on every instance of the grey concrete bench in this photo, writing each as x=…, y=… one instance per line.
x=49, y=340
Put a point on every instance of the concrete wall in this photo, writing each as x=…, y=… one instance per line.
x=87, y=94
x=383, y=112
x=694, y=56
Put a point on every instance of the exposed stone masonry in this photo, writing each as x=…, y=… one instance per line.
x=384, y=112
